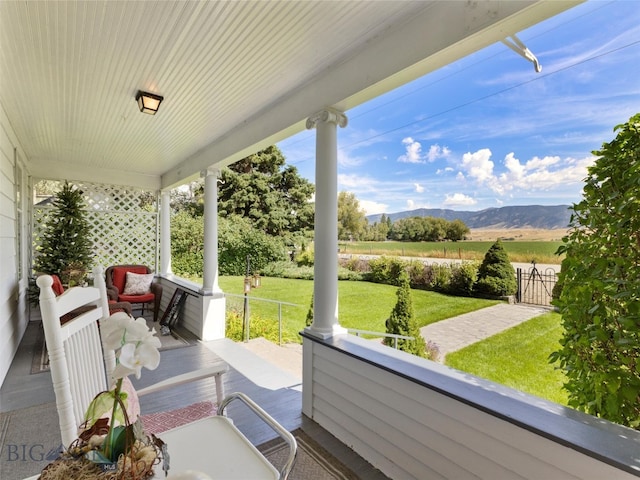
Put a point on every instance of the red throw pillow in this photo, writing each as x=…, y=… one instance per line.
x=57, y=287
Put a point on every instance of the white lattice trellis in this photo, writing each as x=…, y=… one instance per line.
x=123, y=221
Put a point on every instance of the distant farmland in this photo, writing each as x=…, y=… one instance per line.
x=518, y=250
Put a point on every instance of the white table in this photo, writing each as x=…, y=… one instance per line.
x=222, y=452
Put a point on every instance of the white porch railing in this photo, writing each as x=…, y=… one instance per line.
x=415, y=419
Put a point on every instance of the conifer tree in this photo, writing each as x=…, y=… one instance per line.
x=496, y=275
x=309, y=319
x=402, y=321
x=65, y=242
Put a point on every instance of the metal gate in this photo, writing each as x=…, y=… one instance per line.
x=535, y=287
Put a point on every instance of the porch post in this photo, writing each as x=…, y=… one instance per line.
x=325, y=285
x=210, y=267
x=213, y=301
x=165, y=233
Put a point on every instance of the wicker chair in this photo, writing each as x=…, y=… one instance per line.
x=116, y=278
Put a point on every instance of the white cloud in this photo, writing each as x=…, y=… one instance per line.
x=412, y=205
x=541, y=173
x=372, y=208
x=458, y=199
x=436, y=152
x=419, y=188
x=413, y=152
x=345, y=160
x=478, y=165
x=536, y=174
x=355, y=182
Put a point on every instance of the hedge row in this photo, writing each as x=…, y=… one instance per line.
x=452, y=278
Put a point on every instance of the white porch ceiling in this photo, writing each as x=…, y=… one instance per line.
x=236, y=75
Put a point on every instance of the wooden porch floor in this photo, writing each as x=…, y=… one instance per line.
x=275, y=390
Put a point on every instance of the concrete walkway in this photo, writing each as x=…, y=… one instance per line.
x=450, y=335
x=458, y=332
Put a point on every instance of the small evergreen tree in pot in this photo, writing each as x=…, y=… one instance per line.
x=496, y=276
x=402, y=321
x=65, y=249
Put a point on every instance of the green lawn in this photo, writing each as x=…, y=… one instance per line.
x=363, y=305
x=518, y=358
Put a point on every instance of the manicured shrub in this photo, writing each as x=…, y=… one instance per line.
x=416, y=270
x=440, y=277
x=309, y=319
x=386, y=270
x=463, y=278
x=402, y=320
x=496, y=276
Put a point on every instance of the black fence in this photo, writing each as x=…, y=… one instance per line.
x=534, y=286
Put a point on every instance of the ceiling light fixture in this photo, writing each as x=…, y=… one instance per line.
x=148, y=102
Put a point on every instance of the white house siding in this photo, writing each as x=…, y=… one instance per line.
x=13, y=304
x=410, y=431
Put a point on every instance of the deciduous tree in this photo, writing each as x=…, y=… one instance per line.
x=352, y=221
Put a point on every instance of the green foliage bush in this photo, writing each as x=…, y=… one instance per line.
x=440, y=277
x=600, y=279
x=305, y=258
x=462, y=279
x=187, y=238
x=258, y=327
x=496, y=276
x=355, y=264
x=236, y=239
x=287, y=269
x=454, y=278
x=385, y=270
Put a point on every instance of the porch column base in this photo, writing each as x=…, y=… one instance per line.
x=326, y=333
x=213, y=316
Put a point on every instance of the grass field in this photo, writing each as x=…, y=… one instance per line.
x=518, y=358
x=363, y=305
x=518, y=250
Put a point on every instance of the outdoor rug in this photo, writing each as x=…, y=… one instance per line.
x=178, y=338
x=312, y=460
x=29, y=441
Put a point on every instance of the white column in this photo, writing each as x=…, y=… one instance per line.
x=325, y=287
x=213, y=304
x=210, y=267
x=165, y=233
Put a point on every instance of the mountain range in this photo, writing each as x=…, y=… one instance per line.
x=526, y=216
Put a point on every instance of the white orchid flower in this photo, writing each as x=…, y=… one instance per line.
x=113, y=330
x=136, y=346
x=135, y=356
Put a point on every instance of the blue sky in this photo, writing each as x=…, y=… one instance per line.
x=488, y=131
